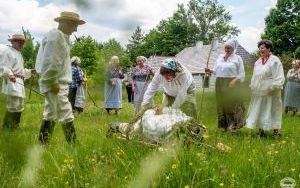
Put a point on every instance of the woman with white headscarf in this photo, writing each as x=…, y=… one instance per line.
x=113, y=86
x=229, y=71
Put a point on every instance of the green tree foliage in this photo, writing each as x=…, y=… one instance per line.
x=85, y=48
x=114, y=48
x=297, y=53
x=29, y=51
x=172, y=35
x=212, y=19
x=134, y=47
x=200, y=21
x=283, y=26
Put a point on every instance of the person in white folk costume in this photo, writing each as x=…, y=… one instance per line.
x=13, y=72
x=54, y=68
x=265, y=109
x=178, y=86
x=229, y=71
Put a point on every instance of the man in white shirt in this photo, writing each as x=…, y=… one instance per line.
x=54, y=67
x=178, y=85
x=13, y=73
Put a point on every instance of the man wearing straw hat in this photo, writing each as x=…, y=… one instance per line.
x=54, y=67
x=13, y=73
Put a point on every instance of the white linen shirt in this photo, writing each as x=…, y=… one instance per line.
x=12, y=63
x=176, y=88
x=232, y=68
x=53, y=62
x=267, y=77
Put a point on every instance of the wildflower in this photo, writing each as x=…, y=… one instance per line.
x=102, y=156
x=186, y=186
x=275, y=152
x=190, y=163
x=71, y=161
x=269, y=152
x=205, y=136
x=198, y=154
x=224, y=148
x=292, y=169
x=221, y=184
x=283, y=142
x=174, y=166
x=249, y=160
x=167, y=177
x=160, y=149
x=66, y=161
x=232, y=175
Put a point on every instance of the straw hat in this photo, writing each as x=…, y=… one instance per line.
x=72, y=16
x=17, y=37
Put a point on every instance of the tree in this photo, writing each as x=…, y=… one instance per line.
x=283, y=26
x=29, y=51
x=212, y=19
x=85, y=48
x=135, y=44
x=112, y=48
x=171, y=35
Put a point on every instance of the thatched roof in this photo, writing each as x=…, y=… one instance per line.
x=195, y=58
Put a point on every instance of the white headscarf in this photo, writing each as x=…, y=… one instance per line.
x=233, y=43
x=76, y=60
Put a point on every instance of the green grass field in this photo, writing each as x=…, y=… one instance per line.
x=96, y=161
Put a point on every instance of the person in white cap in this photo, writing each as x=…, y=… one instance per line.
x=229, y=71
x=13, y=72
x=53, y=64
x=76, y=86
x=178, y=86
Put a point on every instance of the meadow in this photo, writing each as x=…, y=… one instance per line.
x=97, y=161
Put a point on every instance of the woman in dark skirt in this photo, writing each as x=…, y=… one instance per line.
x=229, y=71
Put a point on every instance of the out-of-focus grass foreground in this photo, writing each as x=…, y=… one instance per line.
x=97, y=161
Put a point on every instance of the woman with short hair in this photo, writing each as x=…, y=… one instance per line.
x=265, y=109
x=113, y=86
x=140, y=80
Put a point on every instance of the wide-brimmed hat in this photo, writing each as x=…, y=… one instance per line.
x=70, y=16
x=17, y=37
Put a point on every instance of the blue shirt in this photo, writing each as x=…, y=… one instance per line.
x=77, y=76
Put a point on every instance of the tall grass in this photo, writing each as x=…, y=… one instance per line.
x=97, y=161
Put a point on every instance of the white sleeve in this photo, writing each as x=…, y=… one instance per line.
x=240, y=69
x=51, y=62
x=27, y=73
x=182, y=93
x=277, y=75
x=5, y=68
x=152, y=88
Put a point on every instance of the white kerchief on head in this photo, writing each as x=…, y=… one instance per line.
x=232, y=43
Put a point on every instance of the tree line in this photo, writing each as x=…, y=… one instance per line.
x=200, y=20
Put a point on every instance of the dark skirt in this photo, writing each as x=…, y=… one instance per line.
x=230, y=107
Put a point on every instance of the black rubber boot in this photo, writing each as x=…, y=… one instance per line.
x=46, y=131
x=16, y=120
x=69, y=131
x=8, y=120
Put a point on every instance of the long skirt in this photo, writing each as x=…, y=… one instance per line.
x=265, y=111
x=80, y=97
x=113, y=95
x=140, y=89
x=230, y=107
x=292, y=95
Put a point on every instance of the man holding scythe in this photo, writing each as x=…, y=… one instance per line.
x=54, y=67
